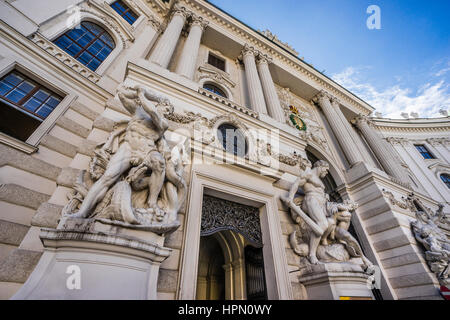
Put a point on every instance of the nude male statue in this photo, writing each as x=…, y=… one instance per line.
x=143, y=135
x=313, y=204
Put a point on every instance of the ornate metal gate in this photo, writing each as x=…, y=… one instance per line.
x=219, y=215
x=256, y=280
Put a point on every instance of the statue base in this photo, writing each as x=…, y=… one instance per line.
x=86, y=259
x=335, y=281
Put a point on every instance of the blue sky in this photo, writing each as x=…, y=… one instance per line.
x=403, y=67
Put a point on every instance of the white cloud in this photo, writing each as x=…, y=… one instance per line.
x=392, y=101
x=442, y=72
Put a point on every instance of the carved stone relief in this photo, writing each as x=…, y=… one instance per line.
x=314, y=131
x=322, y=235
x=135, y=179
x=427, y=232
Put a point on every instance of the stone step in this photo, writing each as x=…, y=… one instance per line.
x=85, y=111
x=59, y=145
x=73, y=127
x=18, y=266
x=19, y=160
x=15, y=194
x=12, y=233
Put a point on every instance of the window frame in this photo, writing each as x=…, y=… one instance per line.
x=223, y=142
x=215, y=56
x=447, y=179
x=31, y=71
x=426, y=152
x=128, y=9
x=217, y=88
x=85, y=48
x=37, y=86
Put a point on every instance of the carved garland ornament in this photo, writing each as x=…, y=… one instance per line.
x=219, y=214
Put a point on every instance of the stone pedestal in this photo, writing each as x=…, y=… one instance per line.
x=90, y=260
x=331, y=281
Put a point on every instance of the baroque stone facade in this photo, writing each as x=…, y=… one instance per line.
x=182, y=154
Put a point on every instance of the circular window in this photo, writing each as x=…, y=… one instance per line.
x=232, y=139
x=214, y=89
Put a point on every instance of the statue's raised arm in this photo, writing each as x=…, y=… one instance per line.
x=128, y=98
x=150, y=108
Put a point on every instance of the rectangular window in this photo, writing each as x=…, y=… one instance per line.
x=424, y=151
x=24, y=104
x=124, y=11
x=216, y=62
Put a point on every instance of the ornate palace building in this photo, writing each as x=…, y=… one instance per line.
x=157, y=149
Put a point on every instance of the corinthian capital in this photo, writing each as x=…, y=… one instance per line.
x=249, y=50
x=321, y=97
x=199, y=21
x=180, y=11
x=264, y=59
x=335, y=102
x=361, y=120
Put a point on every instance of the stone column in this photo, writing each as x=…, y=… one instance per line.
x=345, y=140
x=254, y=85
x=386, y=157
x=239, y=279
x=186, y=65
x=270, y=93
x=364, y=153
x=229, y=281
x=165, y=47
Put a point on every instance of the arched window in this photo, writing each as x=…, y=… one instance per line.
x=232, y=139
x=88, y=43
x=446, y=178
x=214, y=89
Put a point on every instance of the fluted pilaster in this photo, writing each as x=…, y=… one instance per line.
x=186, y=65
x=386, y=157
x=270, y=93
x=166, y=45
x=253, y=83
x=343, y=136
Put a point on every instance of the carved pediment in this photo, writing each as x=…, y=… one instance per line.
x=219, y=76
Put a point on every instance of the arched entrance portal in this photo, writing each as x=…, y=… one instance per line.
x=231, y=264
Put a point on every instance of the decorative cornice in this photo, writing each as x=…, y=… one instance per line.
x=412, y=125
x=217, y=75
x=398, y=141
x=159, y=6
x=438, y=141
x=228, y=103
x=274, y=38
